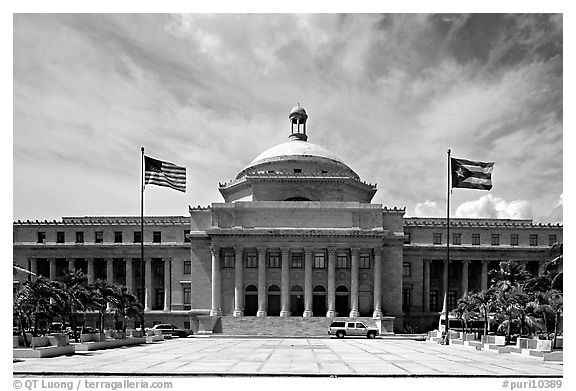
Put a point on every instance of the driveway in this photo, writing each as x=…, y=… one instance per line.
x=290, y=356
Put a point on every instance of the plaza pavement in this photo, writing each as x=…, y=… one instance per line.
x=290, y=356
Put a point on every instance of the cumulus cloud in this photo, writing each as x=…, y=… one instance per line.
x=428, y=209
x=489, y=206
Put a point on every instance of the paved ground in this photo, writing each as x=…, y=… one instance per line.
x=291, y=356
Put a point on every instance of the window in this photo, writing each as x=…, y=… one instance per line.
x=324, y=172
x=514, y=240
x=364, y=261
x=118, y=237
x=297, y=171
x=533, y=240
x=319, y=261
x=342, y=261
x=407, y=238
x=437, y=238
x=456, y=239
x=228, y=259
x=137, y=237
x=406, y=299
x=186, y=290
x=98, y=237
x=251, y=261
x=552, y=239
x=156, y=237
x=495, y=240
x=187, y=267
x=60, y=238
x=475, y=239
x=452, y=298
x=433, y=300
x=274, y=260
x=296, y=262
x=406, y=269
x=186, y=238
x=41, y=237
x=79, y=237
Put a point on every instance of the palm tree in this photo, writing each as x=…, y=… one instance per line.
x=556, y=266
x=551, y=304
x=126, y=304
x=483, y=302
x=508, y=274
x=509, y=304
x=464, y=309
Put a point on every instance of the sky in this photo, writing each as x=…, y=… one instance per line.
x=387, y=93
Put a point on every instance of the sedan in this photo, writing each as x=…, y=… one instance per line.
x=172, y=330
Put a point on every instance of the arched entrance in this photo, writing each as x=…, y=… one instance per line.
x=342, y=301
x=296, y=301
x=319, y=301
x=250, y=300
x=273, y=301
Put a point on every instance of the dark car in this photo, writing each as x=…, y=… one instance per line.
x=172, y=330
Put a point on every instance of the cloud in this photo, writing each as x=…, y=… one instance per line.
x=489, y=206
x=428, y=209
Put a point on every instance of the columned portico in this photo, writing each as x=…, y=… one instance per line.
x=109, y=271
x=216, y=309
x=377, y=283
x=262, y=299
x=238, y=282
x=331, y=313
x=354, y=282
x=308, y=260
x=285, y=288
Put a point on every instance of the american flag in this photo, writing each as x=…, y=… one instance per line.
x=157, y=172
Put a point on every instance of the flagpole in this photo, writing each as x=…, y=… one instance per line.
x=142, y=269
x=447, y=267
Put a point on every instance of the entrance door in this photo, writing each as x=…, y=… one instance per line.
x=296, y=301
x=319, y=301
x=273, y=301
x=251, y=301
x=342, y=301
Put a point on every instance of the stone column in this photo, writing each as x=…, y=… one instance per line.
x=216, y=309
x=484, y=276
x=445, y=286
x=33, y=267
x=109, y=277
x=426, y=286
x=331, y=313
x=147, y=284
x=238, y=282
x=285, y=288
x=129, y=273
x=262, y=298
x=52, y=268
x=354, y=282
x=167, y=263
x=91, y=271
x=71, y=266
x=308, y=261
x=465, y=264
x=377, y=283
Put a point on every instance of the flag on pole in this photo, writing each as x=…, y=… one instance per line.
x=471, y=175
x=157, y=172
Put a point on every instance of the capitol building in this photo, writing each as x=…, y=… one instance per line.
x=295, y=238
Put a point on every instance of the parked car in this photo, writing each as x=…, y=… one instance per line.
x=172, y=330
x=354, y=329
